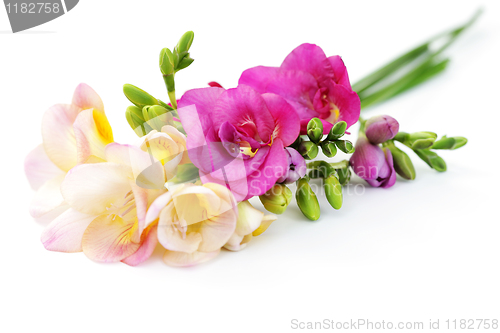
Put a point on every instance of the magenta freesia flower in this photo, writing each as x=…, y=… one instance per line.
x=236, y=137
x=373, y=164
x=379, y=129
x=316, y=86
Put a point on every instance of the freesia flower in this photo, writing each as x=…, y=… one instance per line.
x=379, y=129
x=168, y=147
x=236, y=137
x=316, y=86
x=373, y=164
x=297, y=167
x=251, y=222
x=194, y=222
x=72, y=134
x=108, y=203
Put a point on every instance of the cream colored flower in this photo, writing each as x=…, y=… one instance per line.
x=251, y=222
x=194, y=222
x=167, y=146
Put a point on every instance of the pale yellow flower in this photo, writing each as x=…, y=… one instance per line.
x=251, y=222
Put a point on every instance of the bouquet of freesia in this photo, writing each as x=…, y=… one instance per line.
x=200, y=158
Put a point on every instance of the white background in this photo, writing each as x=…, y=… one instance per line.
x=421, y=250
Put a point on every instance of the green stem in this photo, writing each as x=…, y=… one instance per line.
x=170, y=84
x=426, y=69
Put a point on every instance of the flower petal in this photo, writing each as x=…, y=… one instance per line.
x=91, y=188
x=173, y=234
x=182, y=259
x=216, y=231
x=64, y=234
x=274, y=166
x=246, y=110
x=266, y=222
x=298, y=88
x=47, y=198
x=108, y=238
x=367, y=160
x=93, y=133
x=39, y=168
x=309, y=58
x=340, y=71
x=347, y=102
x=249, y=218
x=149, y=240
x=286, y=119
x=143, y=167
x=58, y=136
x=156, y=207
x=258, y=77
x=86, y=98
x=204, y=99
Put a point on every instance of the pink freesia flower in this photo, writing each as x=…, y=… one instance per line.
x=373, y=164
x=236, y=137
x=72, y=134
x=316, y=86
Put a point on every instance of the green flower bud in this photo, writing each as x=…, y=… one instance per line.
x=277, y=199
x=432, y=159
x=417, y=140
x=315, y=130
x=138, y=96
x=450, y=143
x=309, y=150
x=329, y=148
x=136, y=120
x=185, y=42
x=156, y=116
x=307, y=200
x=185, y=62
x=402, y=162
x=166, y=62
x=333, y=191
x=337, y=131
x=345, y=146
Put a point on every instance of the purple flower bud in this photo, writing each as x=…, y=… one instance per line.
x=297, y=167
x=379, y=129
x=373, y=164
